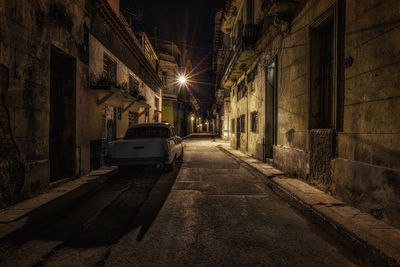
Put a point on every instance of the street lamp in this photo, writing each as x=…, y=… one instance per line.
x=182, y=79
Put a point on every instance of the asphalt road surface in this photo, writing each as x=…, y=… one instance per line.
x=210, y=211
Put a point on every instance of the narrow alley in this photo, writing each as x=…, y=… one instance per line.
x=211, y=133
x=210, y=210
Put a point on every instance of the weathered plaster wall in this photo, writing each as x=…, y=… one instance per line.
x=371, y=130
x=69, y=32
x=27, y=29
x=256, y=95
x=367, y=170
x=226, y=122
x=168, y=111
x=365, y=165
x=292, y=50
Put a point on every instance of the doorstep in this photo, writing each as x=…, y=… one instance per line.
x=18, y=215
x=382, y=239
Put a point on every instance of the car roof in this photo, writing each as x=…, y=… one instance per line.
x=165, y=125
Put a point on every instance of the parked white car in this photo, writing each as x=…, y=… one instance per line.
x=147, y=144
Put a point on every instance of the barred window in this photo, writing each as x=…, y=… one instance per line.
x=254, y=121
x=242, y=123
x=133, y=118
x=133, y=86
x=110, y=67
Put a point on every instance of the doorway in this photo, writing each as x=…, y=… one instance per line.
x=270, y=109
x=62, y=115
x=322, y=75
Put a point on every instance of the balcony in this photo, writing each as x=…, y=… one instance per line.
x=242, y=53
x=285, y=8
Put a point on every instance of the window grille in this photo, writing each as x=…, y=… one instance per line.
x=110, y=68
x=254, y=121
x=242, y=123
x=133, y=86
x=133, y=118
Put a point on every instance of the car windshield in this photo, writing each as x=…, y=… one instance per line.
x=147, y=132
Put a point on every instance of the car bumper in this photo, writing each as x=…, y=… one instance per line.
x=137, y=161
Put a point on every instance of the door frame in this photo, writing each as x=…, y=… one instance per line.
x=268, y=143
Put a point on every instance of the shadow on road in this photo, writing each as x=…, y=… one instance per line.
x=137, y=206
x=155, y=201
x=130, y=199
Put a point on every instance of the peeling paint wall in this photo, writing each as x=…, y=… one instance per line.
x=368, y=148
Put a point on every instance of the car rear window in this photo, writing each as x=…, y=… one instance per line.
x=147, y=132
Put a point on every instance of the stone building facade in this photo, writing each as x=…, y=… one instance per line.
x=73, y=75
x=313, y=86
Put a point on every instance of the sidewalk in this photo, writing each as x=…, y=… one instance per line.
x=359, y=229
x=205, y=135
x=58, y=197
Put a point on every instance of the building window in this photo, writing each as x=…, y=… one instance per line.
x=133, y=86
x=241, y=90
x=110, y=68
x=254, y=121
x=119, y=113
x=242, y=123
x=322, y=74
x=232, y=125
x=133, y=118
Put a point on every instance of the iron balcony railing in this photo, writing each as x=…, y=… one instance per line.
x=273, y=7
x=248, y=35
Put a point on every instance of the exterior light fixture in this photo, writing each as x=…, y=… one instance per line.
x=192, y=118
x=182, y=79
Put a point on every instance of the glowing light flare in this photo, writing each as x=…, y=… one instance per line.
x=182, y=79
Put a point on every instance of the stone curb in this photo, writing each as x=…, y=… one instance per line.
x=205, y=135
x=31, y=211
x=357, y=231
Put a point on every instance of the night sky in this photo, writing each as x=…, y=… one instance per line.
x=189, y=23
